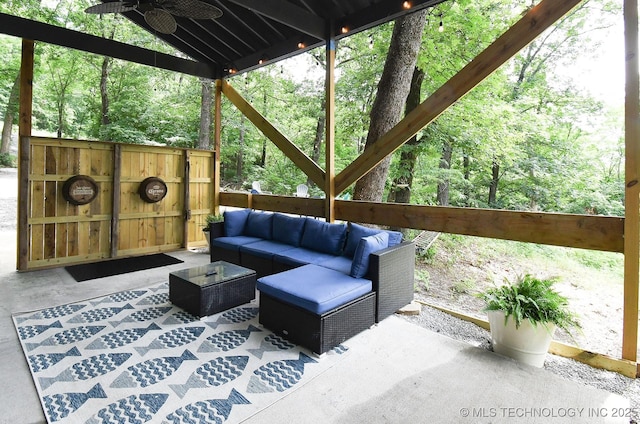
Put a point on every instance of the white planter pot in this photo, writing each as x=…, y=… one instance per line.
x=207, y=235
x=526, y=344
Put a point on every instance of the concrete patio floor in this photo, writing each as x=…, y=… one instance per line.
x=395, y=372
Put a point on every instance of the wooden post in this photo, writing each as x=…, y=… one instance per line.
x=217, y=134
x=26, y=109
x=115, y=206
x=632, y=188
x=330, y=172
x=187, y=198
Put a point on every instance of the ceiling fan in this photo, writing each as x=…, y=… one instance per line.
x=159, y=13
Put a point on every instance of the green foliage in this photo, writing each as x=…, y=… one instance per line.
x=422, y=277
x=214, y=218
x=465, y=286
x=426, y=256
x=533, y=299
x=8, y=160
x=557, y=148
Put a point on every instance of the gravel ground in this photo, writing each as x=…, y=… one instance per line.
x=458, y=329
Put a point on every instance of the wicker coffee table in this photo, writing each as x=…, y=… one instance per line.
x=212, y=288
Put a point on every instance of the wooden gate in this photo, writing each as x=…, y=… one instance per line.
x=119, y=221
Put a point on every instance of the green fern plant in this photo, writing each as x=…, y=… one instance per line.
x=533, y=299
x=211, y=218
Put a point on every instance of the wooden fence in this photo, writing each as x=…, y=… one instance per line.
x=118, y=222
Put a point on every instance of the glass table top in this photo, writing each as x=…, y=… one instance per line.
x=213, y=273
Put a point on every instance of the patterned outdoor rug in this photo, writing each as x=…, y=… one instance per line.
x=134, y=357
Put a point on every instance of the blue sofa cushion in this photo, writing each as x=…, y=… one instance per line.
x=299, y=256
x=233, y=243
x=234, y=222
x=287, y=229
x=338, y=263
x=314, y=288
x=367, y=245
x=259, y=224
x=357, y=231
x=265, y=248
x=323, y=236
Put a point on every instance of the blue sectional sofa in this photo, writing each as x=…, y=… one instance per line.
x=320, y=283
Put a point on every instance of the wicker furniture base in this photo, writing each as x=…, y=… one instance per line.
x=213, y=288
x=318, y=333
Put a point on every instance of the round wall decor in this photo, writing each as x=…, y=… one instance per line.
x=152, y=190
x=80, y=190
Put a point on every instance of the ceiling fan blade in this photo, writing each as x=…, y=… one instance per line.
x=161, y=21
x=193, y=9
x=111, y=7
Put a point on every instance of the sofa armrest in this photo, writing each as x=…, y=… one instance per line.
x=392, y=272
x=216, y=229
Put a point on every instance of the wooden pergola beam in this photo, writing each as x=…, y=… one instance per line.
x=330, y=108
x=217, y=141
x=297, y=156
x=24, y=130
x=632, y=185
x=532, y=24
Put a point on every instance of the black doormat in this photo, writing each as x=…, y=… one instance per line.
x=86, y=272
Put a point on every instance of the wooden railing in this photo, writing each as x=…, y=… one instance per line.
x=582, y=231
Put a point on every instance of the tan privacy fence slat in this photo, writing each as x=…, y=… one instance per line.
x=61, y=233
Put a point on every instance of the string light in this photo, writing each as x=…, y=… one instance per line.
x=406, y=5
x=344, y=29
x=261, y=61
x=441, y=27
x=371, y=41
x=301, y=45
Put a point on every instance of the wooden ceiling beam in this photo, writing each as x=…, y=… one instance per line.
x=39, y=31
x=532, y=24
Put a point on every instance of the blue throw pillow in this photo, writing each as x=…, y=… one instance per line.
x=395, y=237
x=234, y=222
x=287, y=229
x=356, y=232
x=259, y=225
x=367, y=245
x=323, y=236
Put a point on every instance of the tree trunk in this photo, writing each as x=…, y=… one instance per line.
x=9, y=115
x=204, y=140
x=240, y=157
x=60, y=116
x=317, y=141
x=263, y=157
x=466, y=165
x=393, y=90
x=493, y=187
x=442, y=196
x=401, y=188
x=105, y=120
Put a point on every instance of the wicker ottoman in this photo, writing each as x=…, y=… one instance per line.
x=212, y=288
x=318, y=333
